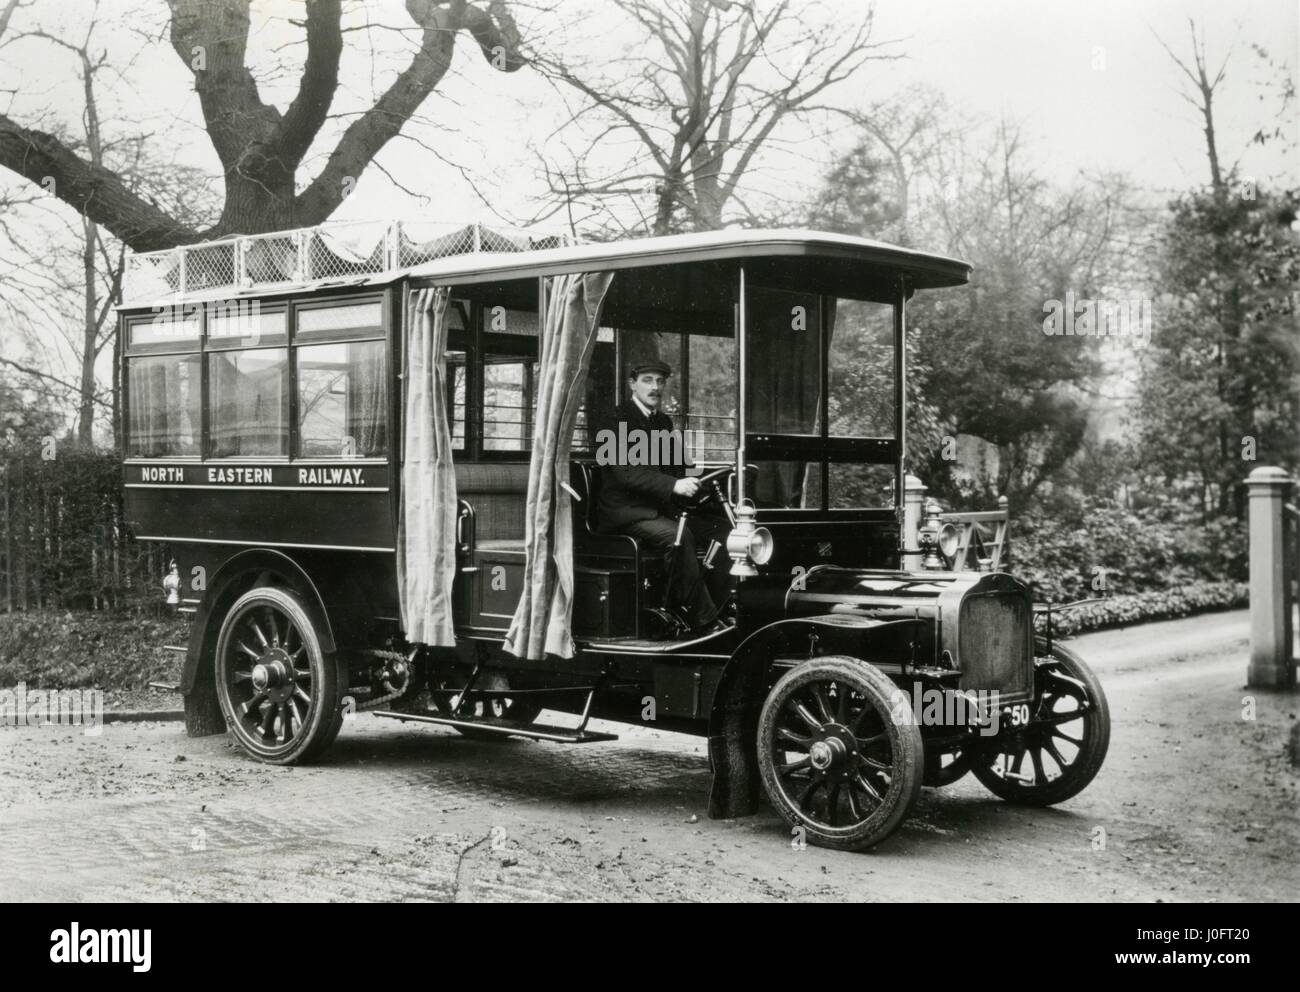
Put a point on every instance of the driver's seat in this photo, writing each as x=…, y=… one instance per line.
x=584, y=483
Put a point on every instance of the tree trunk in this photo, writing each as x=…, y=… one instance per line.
x=90, y=331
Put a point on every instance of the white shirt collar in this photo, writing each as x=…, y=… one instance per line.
x=643, y=408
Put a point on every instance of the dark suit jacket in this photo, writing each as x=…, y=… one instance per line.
x=629, y=493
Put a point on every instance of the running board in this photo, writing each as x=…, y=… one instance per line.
x=536, y=731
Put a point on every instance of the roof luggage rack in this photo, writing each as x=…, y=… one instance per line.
x=328, y=253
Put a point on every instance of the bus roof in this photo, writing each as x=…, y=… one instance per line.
x=925, y=270
x=820, y=256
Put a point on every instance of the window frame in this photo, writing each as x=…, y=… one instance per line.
x=822, y=447
x=339, y=335
x=128, y=436
x=203, y=346
x=286, y=383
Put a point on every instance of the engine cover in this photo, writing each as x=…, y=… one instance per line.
x=980, y=623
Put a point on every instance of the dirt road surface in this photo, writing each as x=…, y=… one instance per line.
x=1194, y=802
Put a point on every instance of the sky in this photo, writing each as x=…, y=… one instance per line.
x=1086, y=80
x=1031, y=61
x=1090, y=80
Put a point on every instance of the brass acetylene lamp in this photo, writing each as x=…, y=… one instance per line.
x=748, y=544
x=172, y=585
x=938, y=540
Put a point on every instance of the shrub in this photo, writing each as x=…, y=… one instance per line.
x=106, y=649
x=1167, y=604
x=1106, y=549
x=64, y=536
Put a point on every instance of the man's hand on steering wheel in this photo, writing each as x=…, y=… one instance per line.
x=697, y=490
x=688, y=486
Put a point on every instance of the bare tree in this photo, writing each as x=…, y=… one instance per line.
x=700, y=94
x=873, y=189
x=261, y=148
x=94, y=323
x=1198, y=72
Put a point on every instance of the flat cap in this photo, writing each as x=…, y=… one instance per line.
x=653, y=365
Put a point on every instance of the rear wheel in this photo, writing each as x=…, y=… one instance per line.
x=840, y=752
x=1064, y=745
x=279, y=690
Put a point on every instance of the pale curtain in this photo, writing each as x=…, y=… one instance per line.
x=543, y=622
x=426, y=530
x=368, y=398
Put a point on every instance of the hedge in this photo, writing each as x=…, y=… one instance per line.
x=1109, y=551
x=56, y=649
x=63, y=540
x=1146, y=607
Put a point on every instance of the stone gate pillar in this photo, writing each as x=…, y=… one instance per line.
x=1270, y=594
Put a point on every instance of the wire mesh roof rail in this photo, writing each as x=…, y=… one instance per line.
x=328, y=253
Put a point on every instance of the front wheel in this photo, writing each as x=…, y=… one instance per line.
x=279, y=690
x=1064, y=745
x=840, y=752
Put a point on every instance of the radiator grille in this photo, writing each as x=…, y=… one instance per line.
x=993, y=642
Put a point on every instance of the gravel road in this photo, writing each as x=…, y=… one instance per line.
x=1194, y=802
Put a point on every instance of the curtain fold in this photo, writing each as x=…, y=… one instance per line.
x=367, y=409
x=426, y=530
x=543, y=621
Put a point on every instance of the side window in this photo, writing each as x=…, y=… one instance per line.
x=457, y=373
x=342, y=400
x=248, y=402
x=601, y=395
x=341, y=370
x=509, y=378
x=861, y=370
x=164, y=394
x=711, y=400
x=508, y=398
x=165, y=406
x=456, y=385
x=784, y=395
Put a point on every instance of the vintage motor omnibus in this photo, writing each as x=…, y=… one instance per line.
x=372, y=453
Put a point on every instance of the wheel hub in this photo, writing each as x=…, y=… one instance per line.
x=273, y=675
x=833, y=750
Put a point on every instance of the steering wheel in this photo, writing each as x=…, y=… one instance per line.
x=710, y=490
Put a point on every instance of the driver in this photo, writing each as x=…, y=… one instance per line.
x=645, y=501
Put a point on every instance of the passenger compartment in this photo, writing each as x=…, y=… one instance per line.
x=607, y=568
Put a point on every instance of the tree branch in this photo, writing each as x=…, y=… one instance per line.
x=320, y=79
x=497, y=37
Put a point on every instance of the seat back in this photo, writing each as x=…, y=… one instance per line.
x=498, y=492
x=584, y=477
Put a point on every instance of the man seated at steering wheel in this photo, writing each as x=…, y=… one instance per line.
x=643, y=497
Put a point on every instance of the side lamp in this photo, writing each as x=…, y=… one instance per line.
x=939, y=541
x=748, y=544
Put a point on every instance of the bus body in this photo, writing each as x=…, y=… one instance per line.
x=264, y=410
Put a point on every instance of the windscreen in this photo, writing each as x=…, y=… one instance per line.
x=813, y=361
